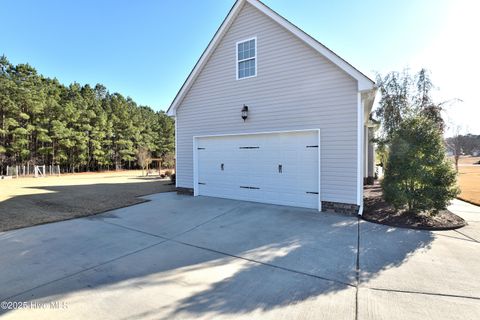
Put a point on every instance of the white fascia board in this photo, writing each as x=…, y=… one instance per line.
x=364, y=83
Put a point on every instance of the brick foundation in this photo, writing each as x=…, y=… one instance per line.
x=187, y=191
x=344, y=208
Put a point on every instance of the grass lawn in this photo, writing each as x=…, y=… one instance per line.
x=469, y=179
x=30, y=201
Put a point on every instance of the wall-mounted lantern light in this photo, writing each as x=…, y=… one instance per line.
x=245, y=112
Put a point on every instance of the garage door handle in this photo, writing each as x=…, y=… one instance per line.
x=280, y=168
x=221, y=166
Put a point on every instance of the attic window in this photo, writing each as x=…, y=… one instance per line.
x=247, y=58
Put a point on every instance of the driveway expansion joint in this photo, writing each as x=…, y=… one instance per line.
x=135, y=230
x=357, y=269
x=456, y=238
x=422, y=293
x=208, y=221
x=266, y=264
x=231, y=255
x=463, y=234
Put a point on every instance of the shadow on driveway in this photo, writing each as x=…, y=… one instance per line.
x=238, y=258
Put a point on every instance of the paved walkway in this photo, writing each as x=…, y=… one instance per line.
x=180, y=257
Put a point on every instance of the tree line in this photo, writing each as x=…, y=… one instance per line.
x=468, y=144
x=80, y=128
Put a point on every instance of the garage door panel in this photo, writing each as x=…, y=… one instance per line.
x=279, y=168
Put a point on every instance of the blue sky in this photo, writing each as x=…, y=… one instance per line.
x=145, y=49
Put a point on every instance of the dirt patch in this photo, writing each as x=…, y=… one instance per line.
x=378, y=211
x=28, y=201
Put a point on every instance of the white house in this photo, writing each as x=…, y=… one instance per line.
x=268, y=114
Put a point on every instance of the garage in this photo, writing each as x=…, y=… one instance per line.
x=278, y=168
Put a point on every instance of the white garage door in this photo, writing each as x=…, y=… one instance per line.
x=278, y=168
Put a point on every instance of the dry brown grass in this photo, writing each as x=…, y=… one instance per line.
x=30, y=201
x=469, y=179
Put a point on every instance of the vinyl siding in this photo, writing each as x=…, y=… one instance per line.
x=295, y=88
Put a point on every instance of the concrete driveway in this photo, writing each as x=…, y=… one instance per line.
x=180, y=257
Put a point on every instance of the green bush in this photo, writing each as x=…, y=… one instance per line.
x=418, y=175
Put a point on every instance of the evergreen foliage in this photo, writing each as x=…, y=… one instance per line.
x=78, y=127
x=418, y=175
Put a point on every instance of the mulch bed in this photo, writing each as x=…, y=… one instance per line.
x=376, y=210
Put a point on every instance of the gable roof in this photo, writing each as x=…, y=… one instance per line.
x=364, y=83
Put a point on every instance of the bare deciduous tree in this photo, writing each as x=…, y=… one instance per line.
x=455, y=144
x=144, y=158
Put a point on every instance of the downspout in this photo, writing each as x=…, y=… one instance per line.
x=176, y=148
x=360, y=209
x=366, y=98
x=360, y=156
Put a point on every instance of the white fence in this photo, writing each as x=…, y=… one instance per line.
x=35, y=171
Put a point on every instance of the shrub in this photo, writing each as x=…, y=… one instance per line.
x=418, y=175
x=168, y=173
x=173, y=178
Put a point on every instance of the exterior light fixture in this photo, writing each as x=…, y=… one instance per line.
x=245, y=112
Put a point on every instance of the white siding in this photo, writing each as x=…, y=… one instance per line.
x=295, y=88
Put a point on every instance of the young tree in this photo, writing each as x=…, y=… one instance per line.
x=395, y=104
x=143, y=158
x=418, y=175
x=404, y=95
x=423, y=102
x=456, y=145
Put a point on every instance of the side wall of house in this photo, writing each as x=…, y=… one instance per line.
x=295, y=88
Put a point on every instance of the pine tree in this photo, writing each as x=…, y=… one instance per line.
x=77, y=127
x=418, y=175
